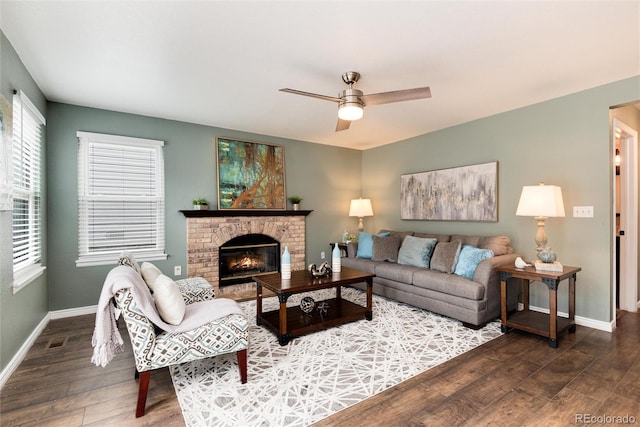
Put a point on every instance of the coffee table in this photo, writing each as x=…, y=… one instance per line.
x=290, y=322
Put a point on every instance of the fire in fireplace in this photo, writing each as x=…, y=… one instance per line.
x=245, y=256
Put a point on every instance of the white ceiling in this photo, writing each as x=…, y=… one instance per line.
x=221, y=63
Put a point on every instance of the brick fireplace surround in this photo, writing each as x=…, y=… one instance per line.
x=208, y=230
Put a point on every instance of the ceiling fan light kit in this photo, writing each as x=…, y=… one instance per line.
x=352, y=101
x=351, y=107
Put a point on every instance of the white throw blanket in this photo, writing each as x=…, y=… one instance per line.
x=106, y=339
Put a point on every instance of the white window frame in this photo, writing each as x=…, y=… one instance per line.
x=28, y=143
x=90, y=257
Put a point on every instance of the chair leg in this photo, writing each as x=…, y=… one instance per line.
x=143, y=389
x=242, y=364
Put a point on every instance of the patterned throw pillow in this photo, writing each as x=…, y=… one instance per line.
x=365, y=244
x=127, y=258
x=385, y=248
x=445, y=256
x=416, y=251
x=469, y=259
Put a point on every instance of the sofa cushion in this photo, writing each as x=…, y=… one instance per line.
x=416, y=251
x=385, y=248
x=365, y=244
x=469, y=259
x=396, y=272
x=168, y=299
x=361, y=264
x=499, y=245
x=448, y=284
x=445, y=256
x=438, y=237
x=467, y=240
x=399, y=234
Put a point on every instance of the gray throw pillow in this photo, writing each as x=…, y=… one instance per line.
x=416, y=251
x=445, y=256
x=385, y=248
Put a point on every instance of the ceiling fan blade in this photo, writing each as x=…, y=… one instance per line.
x=312, y=95
x=396, y=96
x=342, y=125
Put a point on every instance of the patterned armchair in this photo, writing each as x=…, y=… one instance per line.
x=153, y=348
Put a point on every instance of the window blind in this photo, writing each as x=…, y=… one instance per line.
x=28, y=138
x=120, y=198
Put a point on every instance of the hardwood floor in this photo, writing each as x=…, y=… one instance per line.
x=514, y=380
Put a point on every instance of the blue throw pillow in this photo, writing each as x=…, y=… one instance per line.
x=365, y=244
x=469, y=259
x=416, y=251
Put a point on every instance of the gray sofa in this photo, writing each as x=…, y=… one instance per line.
x=474, y=301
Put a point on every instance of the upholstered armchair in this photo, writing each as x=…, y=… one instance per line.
x=154, y=348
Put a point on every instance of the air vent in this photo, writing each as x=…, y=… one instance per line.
x=57, y=342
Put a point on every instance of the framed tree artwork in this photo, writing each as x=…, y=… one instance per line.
x=467, y=193
x=250, y=175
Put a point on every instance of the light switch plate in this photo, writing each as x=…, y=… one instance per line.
x=583, y=211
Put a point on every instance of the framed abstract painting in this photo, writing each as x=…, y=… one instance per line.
x=467, y=193
x=250, y=175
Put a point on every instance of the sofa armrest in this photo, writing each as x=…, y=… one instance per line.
x=487, y=275
x=352, y=249
x=486, y=268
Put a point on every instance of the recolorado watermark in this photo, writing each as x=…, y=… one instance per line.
x=605, y=419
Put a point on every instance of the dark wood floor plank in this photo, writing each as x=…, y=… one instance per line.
x=514, y=380
x=562, y=409
x=513, y=409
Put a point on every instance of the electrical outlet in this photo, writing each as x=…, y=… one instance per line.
x=177, y=270
x=322, y=255
x=583, y=211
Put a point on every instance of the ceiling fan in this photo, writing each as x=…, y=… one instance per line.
x=351, y=102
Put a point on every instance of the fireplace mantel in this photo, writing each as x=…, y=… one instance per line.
x=217, y=213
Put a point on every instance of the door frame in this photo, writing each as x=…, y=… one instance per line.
x=628, y=216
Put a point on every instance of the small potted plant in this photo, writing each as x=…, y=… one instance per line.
x=295, y=202
x=200, y=204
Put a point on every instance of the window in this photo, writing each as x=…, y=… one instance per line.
x=28, y=140
x=120, y=198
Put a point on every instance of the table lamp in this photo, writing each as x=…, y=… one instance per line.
x=541, y=202
x=360, y=208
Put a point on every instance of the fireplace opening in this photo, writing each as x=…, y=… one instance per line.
x=245, y=256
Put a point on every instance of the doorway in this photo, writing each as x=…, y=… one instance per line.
x=625, y=206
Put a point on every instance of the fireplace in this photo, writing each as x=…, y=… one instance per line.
x=208, y=230
x=248, y=255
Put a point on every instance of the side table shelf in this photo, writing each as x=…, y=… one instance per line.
x=546, y=325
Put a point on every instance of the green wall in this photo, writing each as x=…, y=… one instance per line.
x=20, y=313
x=564, y=142
x=325, y=177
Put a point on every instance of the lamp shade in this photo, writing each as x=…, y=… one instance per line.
x=541, y=201
x=360, y=208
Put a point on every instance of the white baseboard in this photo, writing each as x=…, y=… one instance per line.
x=22, y=352
x=580, y=321
x=72, y=312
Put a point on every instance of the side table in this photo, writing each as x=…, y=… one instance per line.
x=342, y=247
x=546, y=325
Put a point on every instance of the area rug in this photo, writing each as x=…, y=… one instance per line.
x=322, y=373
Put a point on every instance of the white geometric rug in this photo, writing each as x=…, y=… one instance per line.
x=322, y=373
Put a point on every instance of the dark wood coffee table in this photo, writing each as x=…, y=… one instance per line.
x=290, y=322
